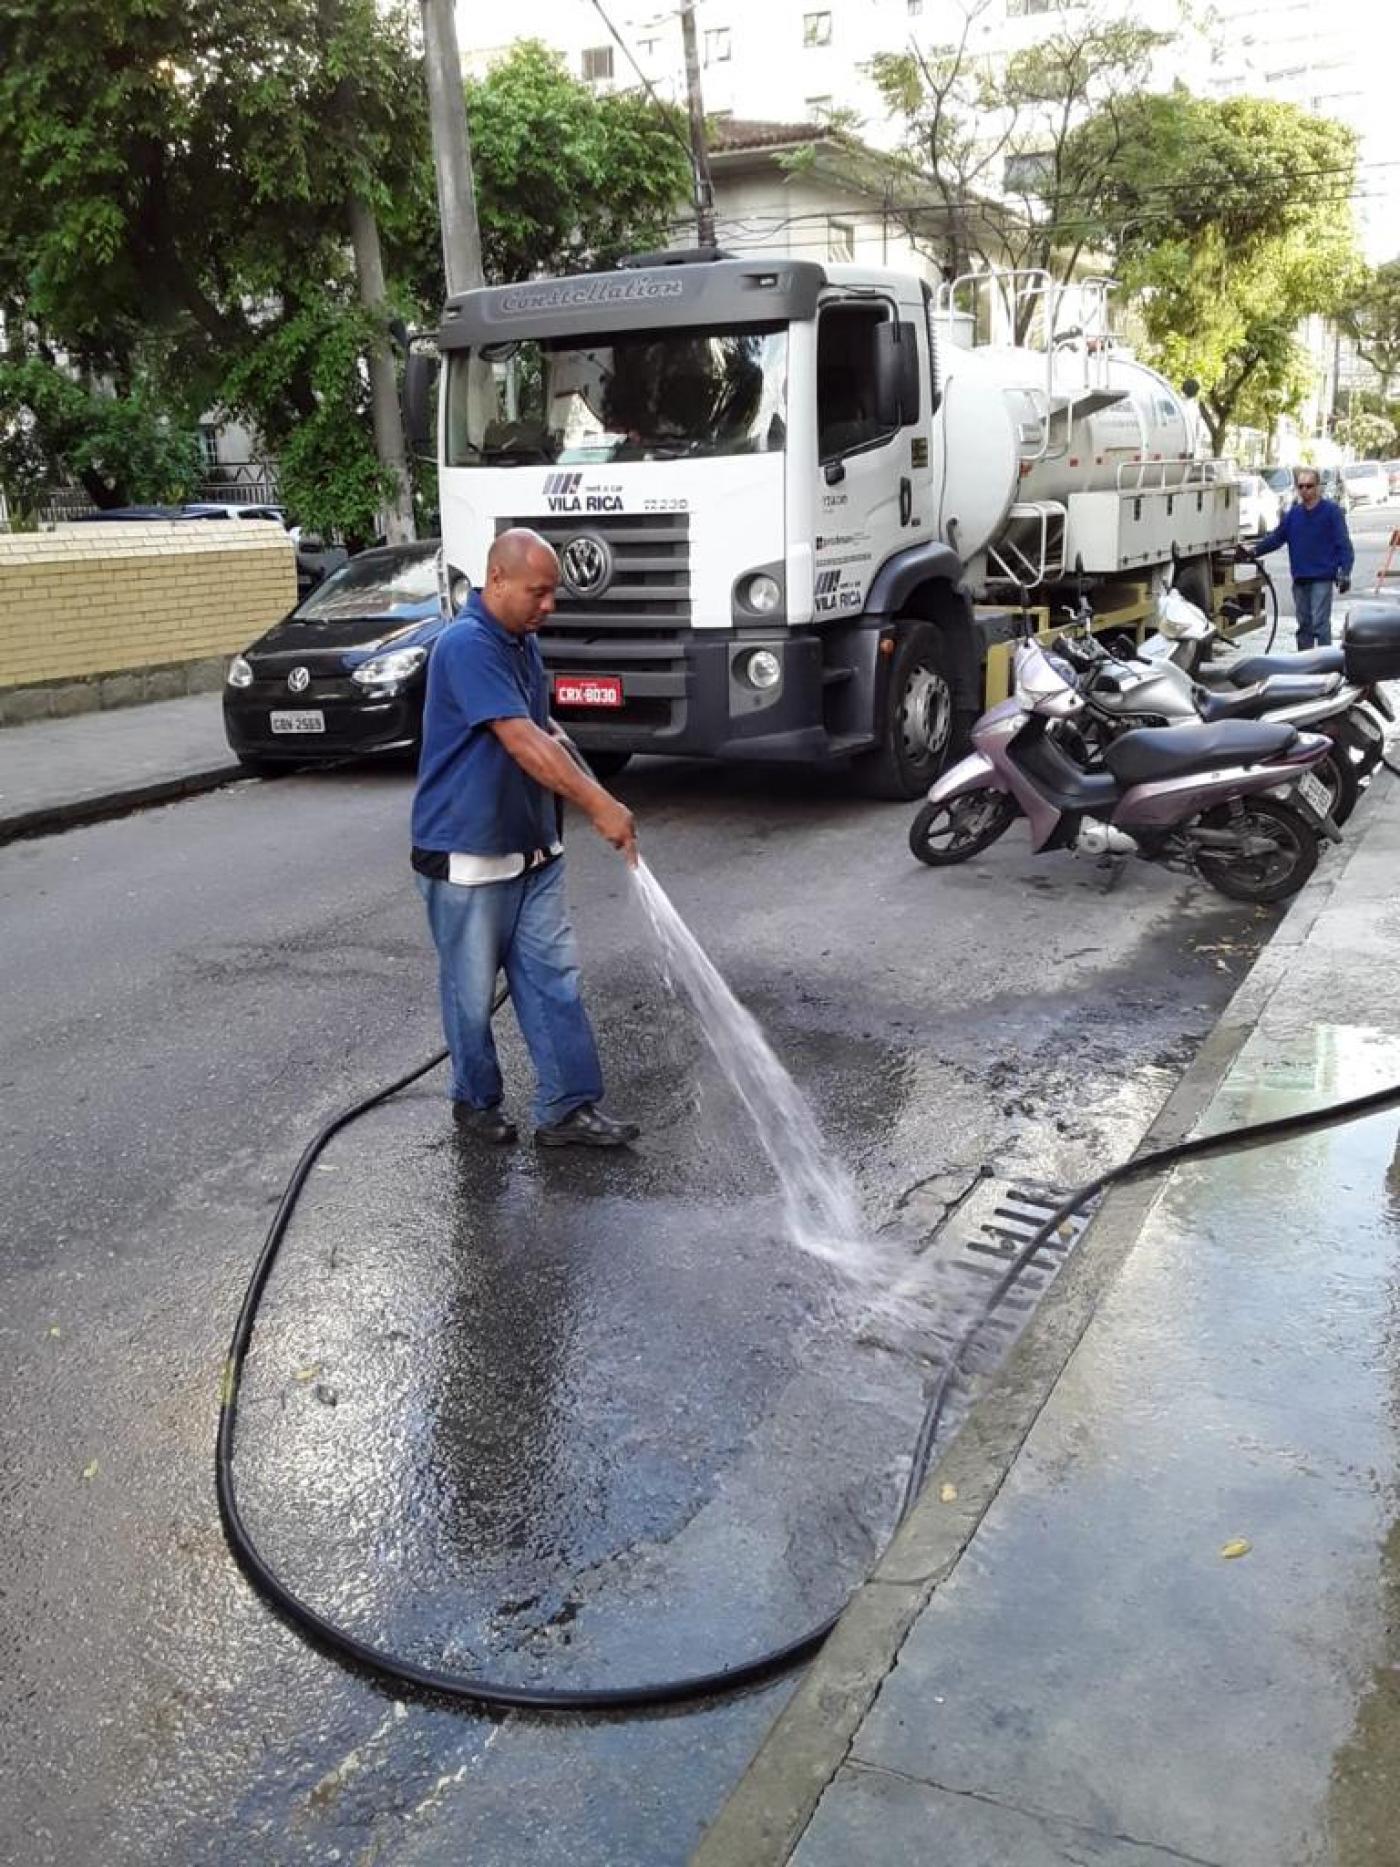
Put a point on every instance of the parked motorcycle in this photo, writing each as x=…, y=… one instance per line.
x=1185, y=636
x=1236, y=803
x=1152, y=690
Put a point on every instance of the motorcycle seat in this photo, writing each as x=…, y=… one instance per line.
x=1252, y=668
x=1154, y=752
x=1249, y=703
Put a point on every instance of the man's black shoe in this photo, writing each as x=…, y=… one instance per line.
x=484, y=1124
x=587, y=1127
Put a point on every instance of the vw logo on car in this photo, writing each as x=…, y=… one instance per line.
x=586, y=565
x=299, y=680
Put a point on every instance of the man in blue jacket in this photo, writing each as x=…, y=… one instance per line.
x=489, y=859
x=1319, y=556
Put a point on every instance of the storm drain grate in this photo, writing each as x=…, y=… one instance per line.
x=991, y=1228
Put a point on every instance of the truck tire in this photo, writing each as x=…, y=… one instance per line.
x=915, y=730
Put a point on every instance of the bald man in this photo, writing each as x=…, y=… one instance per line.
x=489, y=860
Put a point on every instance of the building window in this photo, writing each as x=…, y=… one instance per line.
x=597, y=63
x=840, y=241
x=1025, y=7
x=1027, y=171
x=818, y=108
x=208, y=446
x=916, y=7
x=816, y=29
x=646, y=48
x=717, y=45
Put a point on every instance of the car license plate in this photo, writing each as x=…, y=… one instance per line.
x=587, y=690
x=310, y=721
x=1314, y=794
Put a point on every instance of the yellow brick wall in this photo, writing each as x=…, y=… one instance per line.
x=101, y=599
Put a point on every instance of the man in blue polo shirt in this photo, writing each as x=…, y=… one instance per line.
x=1319, y=555
x=489, y=861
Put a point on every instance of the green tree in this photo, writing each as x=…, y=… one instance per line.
x=195, y=190
x=995, y=143
x=55, y=430
x=568, y=178
x=1230, y=223
x=1371, y=319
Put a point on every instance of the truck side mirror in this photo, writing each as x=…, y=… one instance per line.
x=419, y=381
x=896, y=374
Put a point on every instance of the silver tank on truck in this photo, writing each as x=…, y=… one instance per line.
x=1018, y=427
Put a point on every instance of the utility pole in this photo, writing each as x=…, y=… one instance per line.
x=452, y=153
x=699, y=151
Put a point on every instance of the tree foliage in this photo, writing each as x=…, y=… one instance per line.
x=1371, y=319
x=55, y=431
x=174, y=225
x=567, y=178
x=996, y=144
x=1230, y=222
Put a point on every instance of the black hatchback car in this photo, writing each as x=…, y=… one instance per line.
x=344, y=674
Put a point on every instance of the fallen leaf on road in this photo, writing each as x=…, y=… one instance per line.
x=1237, y=1546
x=947, y=1494
x=90, y=1471
x=307, y=1373
x=55, y=1331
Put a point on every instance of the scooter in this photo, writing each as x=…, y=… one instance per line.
x=1123, y=694
x=1235, y=803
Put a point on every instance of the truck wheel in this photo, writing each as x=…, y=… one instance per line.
x=916, y=730
x=605, y=765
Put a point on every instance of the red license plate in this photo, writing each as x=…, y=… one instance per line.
x=587, y=690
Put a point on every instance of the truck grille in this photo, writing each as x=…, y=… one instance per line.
x=650, y=587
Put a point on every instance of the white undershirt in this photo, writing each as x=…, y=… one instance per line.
x=466, y=871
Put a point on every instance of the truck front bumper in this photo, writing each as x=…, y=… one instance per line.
x=688, y=693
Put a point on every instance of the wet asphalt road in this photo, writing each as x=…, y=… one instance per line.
x=556, y=1418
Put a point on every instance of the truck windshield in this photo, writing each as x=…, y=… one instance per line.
x=638, y=395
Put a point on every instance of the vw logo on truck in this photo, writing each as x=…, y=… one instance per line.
x=586, y=565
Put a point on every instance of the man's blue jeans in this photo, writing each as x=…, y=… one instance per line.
x=523, y=926
x=1312, y=609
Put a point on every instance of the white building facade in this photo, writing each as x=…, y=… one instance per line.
x=795, y=61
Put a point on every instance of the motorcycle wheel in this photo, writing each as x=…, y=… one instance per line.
x=942, y=834
x=1343, y=782
x=1268, y=876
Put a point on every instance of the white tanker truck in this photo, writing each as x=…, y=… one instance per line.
x=796, y=516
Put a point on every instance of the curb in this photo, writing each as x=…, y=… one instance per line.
x=771, y=1805
x=48, y=819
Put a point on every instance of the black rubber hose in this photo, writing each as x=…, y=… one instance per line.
x=499, y=1693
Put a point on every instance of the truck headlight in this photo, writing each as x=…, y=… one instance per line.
x=391, y=670
x=762, y=595
x=240, y=672
x=763, y=668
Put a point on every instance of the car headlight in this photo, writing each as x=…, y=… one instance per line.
x=763, y=669
x=762, y=595
x=390, y=670
x=240, y=672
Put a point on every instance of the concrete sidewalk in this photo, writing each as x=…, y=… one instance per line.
x=1148, y=1609
x=54, y=773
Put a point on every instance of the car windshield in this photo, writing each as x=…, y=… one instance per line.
x=381, y=583
x=1279, y=478
x=637, y=395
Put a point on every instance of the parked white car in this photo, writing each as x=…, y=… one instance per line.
x=1260, y=506
x=1367, y=483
